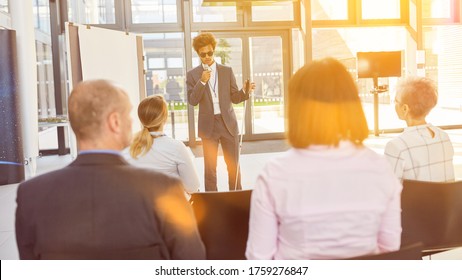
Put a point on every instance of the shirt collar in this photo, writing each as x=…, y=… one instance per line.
x=213, y=67
x=417, y=127
x=113, y=152
x=157, y=133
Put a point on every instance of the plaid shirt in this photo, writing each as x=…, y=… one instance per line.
x=416, y=155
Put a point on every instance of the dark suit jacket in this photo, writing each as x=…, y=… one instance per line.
x=99, y=206
x=228, y=93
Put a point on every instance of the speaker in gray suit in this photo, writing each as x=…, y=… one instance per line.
x=99, y=206
x=213, y=86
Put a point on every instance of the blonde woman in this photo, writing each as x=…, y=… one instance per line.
x=151, y=148
x=329, y=196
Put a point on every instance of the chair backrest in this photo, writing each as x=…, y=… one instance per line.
x=432, y=214
x=223, y=222
x=409, y=252
x=148, y=253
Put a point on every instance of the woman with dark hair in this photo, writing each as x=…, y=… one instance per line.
x=151, y=148
x=329, y=196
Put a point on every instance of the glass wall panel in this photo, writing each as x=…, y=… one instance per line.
x=45, y=90
x=91, y=11
x=344, y=43
x=329, y=9
x=214, y=11
x=298, y=50
x=443, y=64
x=46, y=98
x=273, y=11
x=165, y=75
x=42, y=15
x=4, y=6
x=380, y=9
x=436, y=8
x=268, y=98
x=148, y=11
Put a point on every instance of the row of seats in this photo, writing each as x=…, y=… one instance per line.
x=431, y=221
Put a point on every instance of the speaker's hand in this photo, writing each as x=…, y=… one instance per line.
x=249, y=87
x=206, y=75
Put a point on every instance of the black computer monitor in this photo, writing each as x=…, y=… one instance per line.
x=379, y=64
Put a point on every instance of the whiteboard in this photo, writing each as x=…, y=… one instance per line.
x=98, y=53
x=111, y=55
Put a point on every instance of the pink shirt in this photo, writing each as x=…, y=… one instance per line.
x=325, y=203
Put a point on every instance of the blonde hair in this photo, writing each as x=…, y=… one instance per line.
x=420, y=94
x=152, y=113
x=324, y=107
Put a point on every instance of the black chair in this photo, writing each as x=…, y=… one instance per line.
x=147, y=253
x=409, y=252
x=432, y=214
x=223, y=222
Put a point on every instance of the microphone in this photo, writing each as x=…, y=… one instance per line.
x=206, y=67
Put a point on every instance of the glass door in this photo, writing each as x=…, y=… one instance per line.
x=261, y=57
x=267, y=71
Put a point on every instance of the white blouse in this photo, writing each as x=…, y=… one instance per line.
x=171, y=157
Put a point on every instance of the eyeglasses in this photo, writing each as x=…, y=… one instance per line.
x=203, y=54
x=397, y=102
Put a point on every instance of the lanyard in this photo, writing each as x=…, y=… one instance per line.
x=215, y=83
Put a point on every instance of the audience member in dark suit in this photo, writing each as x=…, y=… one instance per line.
x=329, y=197
x=213, y=86
x=99, y=206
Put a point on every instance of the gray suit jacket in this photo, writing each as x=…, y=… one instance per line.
x=228, y=93
x=100, y=207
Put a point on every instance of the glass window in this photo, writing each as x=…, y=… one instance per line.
x=46, y=99
x=443, y=64
x=148, y=11
x=175, y=62
x=344, y=43
x=45, y=89
x=91, y=11
x=42, y=15
x=273, y=11
x=209, y=11
x=298, y=50
x=155, y=63
x=329, y=9
x=4, y=6
x=436, y=8
x=268, y=98
x=380, y=9
x=166, y=76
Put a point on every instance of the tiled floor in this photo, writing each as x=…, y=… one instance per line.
x=251, y=164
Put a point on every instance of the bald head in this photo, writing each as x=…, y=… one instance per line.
x=95, y=107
